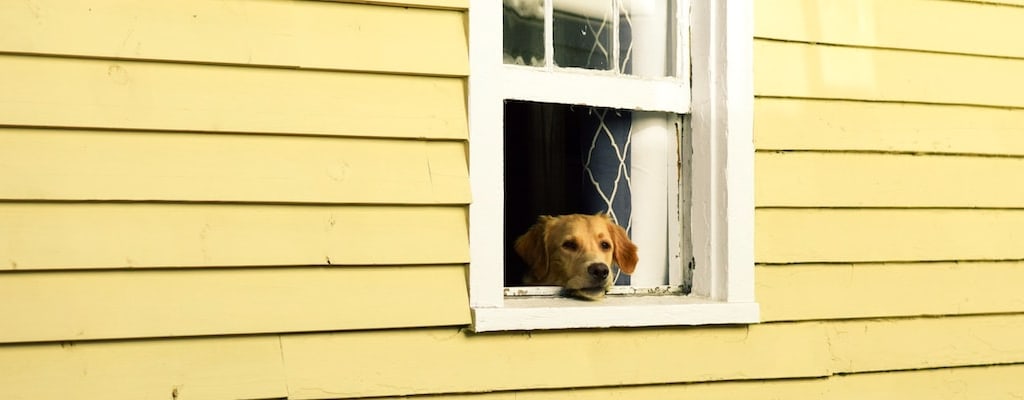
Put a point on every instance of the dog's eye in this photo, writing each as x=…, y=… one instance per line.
x=570, y=245
x=606, y=246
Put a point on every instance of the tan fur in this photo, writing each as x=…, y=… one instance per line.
x=561, y=251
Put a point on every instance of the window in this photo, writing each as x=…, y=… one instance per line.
x=642, y=108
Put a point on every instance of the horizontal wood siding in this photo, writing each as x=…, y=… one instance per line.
x=201, y=167
x=100, y=93
x=887, y=289
x=884, y=23
x=210, y=168
x=841, y=179
x=888, y=149
x=989, y=382
x=267, y=199
x=449, y=360
x=145, y=235
x=117, y=304
x=204, y=368
x=292, y=34
x=842, y=125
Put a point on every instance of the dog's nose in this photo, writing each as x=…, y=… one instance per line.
x=598, y=270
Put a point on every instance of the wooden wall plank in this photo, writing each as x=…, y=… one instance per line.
x=784, y=69
x=306, y=34
x=885, y=345
x=979, y=28
x=878, y=235
x=87, y=165
x=798, y=124
x=91, y=235
x=137, y=304
x=401, y=362
x=812, y=179
x=221, y=368
x=989, y=382
x=41, y=91
x=887, y=290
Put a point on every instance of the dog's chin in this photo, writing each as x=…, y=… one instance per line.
x=591, y=294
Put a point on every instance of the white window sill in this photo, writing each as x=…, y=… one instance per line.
x=615, y=311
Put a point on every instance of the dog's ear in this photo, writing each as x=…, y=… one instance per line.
x=625, y=251
x=530, y=247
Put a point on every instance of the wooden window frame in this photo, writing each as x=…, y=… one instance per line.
x=719, y=198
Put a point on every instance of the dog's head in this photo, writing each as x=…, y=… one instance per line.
x=576, y=252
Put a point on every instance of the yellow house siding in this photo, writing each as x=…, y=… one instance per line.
x=142, y=235
x=989, y=382
x=801, y=179
x=888, y=144
x=133, y=165
x=800, y=124
x=940, y=26
x=159, y=303
x=184, y=183
x=447, y=360
x=99, y=93
x=205, y=207
x=303, y=34
x=887, y=289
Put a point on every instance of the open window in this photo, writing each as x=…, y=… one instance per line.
x=637, y=108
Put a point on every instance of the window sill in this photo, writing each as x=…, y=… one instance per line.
x=615, y=311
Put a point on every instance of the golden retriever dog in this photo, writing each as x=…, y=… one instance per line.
x=576, y=252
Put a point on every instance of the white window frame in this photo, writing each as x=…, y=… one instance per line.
x=720, y=200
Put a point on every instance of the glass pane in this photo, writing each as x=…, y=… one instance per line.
x=645, y=39
x=582, y=31
x=523, y=26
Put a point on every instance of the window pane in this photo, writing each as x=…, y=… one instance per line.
x=583, y=31
x=523, y=26
x=645, y=39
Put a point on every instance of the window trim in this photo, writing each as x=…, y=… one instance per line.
x=721, y=202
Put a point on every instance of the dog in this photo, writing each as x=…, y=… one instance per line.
x=576, y=252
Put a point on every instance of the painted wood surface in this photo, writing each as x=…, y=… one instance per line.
x=64, y=235
x=97, y=165
x=836, y=72
x=402, y=362
x=210, y=368
x=979, y=29
x=183, y=97
x=810, y=124
x=885, y=345
x=160, y=303
x=880, y=235
x=842, y=291
x=990, y=382
x=824, y=179
x=293, y=34
x=449, y=361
